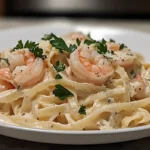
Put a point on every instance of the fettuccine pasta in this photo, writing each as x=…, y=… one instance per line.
x=74, y=82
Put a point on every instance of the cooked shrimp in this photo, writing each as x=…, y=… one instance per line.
x=90, y=66
x=26, y=70
x=5, y=79
x=5, y=74
x=140, y=87
x=78, y=35
x=124, y=57
x=71, y=37
x=19, y=58
x=30, y=74
x=4, y=85
x=113, y=46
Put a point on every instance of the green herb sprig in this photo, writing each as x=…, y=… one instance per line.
x=61, y=92
x=111, y=40
x=101, y=45
x=58, y=76
x=59, y=43
x=38, y=52
x=89, y=42
x=59, y=67
x=78, y=42
x=82, y=110
x=122, y=46
x=32, y=46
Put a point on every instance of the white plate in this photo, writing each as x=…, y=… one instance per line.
x=135, y=40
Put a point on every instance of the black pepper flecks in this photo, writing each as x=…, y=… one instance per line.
x=23, y=114
x=133, y=74
x=18, y=87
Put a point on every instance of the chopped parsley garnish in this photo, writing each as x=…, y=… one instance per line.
x=102, y=47
x=6, y=60
x=61, y=92
x=72, y=47
x=58, y=76
x=89, y=42
x=33, y=48
x=103, y=41
x=59, y=67
x=18, y=46
x=28, y=44
x=38, y=52
x=122, y=46
x=82, y=110
x=111, y=40
x=78, y=42
x=59, y=43
x=89, y=36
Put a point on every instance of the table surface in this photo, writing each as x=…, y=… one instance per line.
x=7, y=143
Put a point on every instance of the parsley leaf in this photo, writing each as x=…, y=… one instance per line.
x=61, y=92
x=59, y=67
x=89, y=36
x=102, y=47
x=111, y=40
x=82, y=110
x=18, y=46
x=38, y=52
x=33, y=48
x=59, y=43
x=58, y=76
x=78, y=42
x=72, y=47
x=122, y=46
x=89, y=42
x=30, y=44
x=103, y=41
x=6, y=60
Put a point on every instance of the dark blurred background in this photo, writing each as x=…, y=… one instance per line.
x=126, y=9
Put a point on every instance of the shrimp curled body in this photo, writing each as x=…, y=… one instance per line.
x=90, y=66
x=26, y=70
